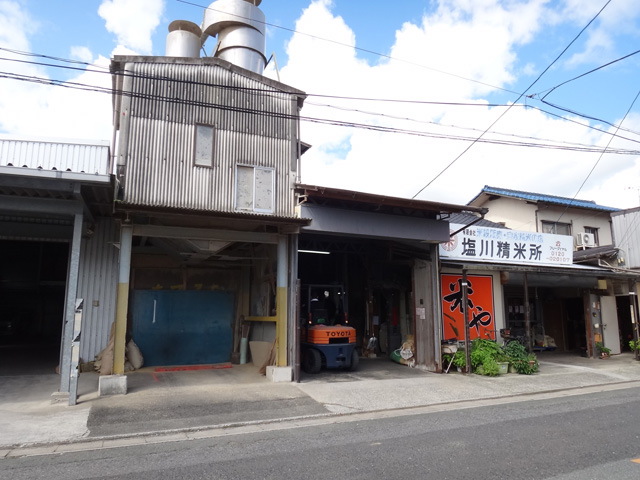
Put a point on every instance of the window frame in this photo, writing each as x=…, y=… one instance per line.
x=554, y=226
x=593, y=231
x=196, y=163
x=253, y=207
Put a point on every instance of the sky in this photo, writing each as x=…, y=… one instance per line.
x=441, y=97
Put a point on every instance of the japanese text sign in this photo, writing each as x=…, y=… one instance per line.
x=500, y=245
x=479, y=302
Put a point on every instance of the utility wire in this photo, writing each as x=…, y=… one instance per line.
x=378, y=128
x=429, y=122
x=516, y=101
x=573, y=112
x=550, y=90
x=105, y=70
x=599, y=158
x=335, y=42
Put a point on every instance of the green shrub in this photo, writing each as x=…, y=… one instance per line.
x=515, y=351
x=460, y=359
x=486, y=354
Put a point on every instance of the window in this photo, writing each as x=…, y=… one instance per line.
x=254, y=188
x=594, y=233
x=203, y=146
x=556, y=227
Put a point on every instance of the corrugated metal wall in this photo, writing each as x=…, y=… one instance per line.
x=626, y=236
x=97, y=285
x=72, y=157
x=157, y=136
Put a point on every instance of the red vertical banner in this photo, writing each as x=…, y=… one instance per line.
x=480, y=303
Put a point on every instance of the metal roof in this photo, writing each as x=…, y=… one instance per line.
x=539, y=197
x=380, y=203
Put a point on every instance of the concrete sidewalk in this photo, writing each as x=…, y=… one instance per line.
x=194, y=401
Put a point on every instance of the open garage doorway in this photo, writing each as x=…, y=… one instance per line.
x=32, y=293
x=376, y=278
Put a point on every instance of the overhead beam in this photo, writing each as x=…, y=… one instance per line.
x=35, y=230
x=159, y=231
x=49, y=184
x=12, y=203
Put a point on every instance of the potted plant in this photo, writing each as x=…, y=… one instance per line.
x=484, y=357
x=634, y=345
x=460, y=361
x=519, y=360
x=604, y=351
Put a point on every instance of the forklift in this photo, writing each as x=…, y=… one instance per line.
x=327, y=340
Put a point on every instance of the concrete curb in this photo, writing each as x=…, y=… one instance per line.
x=238, y=428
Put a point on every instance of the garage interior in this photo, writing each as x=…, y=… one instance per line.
x=32, y=294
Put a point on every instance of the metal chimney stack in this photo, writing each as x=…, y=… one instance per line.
x=183, y=39
x=240, y=27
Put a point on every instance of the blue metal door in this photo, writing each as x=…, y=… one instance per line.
x=183, y=327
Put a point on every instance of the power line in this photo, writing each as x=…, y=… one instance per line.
x=335, y=42
x=599, y=158
x=378, y=128
x=429, y=122
x=550, y=90
x=105, y=70
x=516, y=101
x=588, y=117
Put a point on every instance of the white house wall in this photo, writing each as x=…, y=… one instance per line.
x=579, y=219
x=256, y=128
x=97, y=285
x=515, y=215
x=520, y=215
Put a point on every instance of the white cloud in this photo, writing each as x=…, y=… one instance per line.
x=41, y=110
x=618, y=18
x=132, y=21
x=15, y=25
x=81, y=53
x=455, y=38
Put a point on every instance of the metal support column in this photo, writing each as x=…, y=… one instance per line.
x=282, y=302
x=126, y=238
x=465, y=311
x=527, y=314
x=634, y=315
x=70, y=304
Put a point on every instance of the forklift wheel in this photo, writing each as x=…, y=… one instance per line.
x=355, y=359
x=312, y=361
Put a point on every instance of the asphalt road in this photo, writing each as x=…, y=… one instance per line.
x=578, y=437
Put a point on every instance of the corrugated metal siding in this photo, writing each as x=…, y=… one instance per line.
x=71, y=157
x=626, y=236
x=97, y=282
x=159, y=152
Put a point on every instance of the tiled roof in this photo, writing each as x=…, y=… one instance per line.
x=467, y=218
x=539, y=197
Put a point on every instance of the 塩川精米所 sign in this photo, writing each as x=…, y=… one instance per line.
x=484, y=244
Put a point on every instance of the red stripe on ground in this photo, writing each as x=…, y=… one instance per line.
x=155, y=377
x=184, y=368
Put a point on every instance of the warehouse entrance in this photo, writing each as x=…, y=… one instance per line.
x=32, y=294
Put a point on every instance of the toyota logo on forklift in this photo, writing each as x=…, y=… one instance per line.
x=338, y=334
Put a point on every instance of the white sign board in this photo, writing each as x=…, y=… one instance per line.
x=500, y=245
